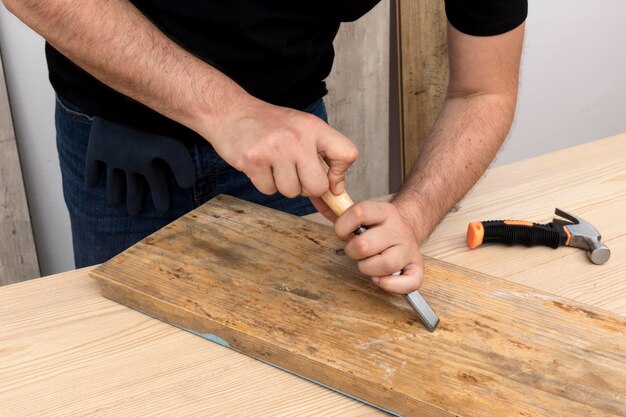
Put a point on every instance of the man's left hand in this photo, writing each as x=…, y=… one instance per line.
x=388, y=245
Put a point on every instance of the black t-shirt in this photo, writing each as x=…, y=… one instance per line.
x=278, y=50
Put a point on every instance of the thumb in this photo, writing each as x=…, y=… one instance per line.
x=339, y=153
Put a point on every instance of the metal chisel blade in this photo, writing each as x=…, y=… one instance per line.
x=423, y=310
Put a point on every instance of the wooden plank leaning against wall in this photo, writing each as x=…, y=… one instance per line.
x=18, y=258
x=358, y=98
x=423, y=71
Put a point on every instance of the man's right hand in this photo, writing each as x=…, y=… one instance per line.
x=113, y=41
x=277, y=148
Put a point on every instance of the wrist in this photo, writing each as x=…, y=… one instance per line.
x=213, y=102
x=415, y=215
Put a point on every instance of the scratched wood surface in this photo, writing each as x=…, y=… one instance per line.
x=278, y=288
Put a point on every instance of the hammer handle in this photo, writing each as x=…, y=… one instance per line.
x=517, y=232
x=340, y=203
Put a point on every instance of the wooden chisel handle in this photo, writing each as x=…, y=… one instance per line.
x=342, y=202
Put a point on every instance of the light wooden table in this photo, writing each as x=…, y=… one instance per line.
x=65, y=350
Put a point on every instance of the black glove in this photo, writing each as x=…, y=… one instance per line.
x=139, y=156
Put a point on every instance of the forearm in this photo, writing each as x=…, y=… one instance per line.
x=119, y=46
x=462, y=143
x=474, y=121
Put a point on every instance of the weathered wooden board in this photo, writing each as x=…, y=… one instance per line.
x=423, y=72
x=18, y=257
x=278, y=288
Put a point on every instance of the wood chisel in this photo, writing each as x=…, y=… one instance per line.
x=340, y=203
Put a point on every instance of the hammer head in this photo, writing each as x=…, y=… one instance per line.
x=584, y=236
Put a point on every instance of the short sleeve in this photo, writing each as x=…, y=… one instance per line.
x=486, y=17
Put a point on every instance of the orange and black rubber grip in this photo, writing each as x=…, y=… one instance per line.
x=517, y=232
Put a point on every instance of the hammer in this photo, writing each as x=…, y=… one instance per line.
x=571, y=231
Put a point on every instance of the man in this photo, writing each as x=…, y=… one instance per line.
x=203, y=97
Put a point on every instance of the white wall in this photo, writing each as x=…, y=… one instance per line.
x=573, y=86
x=573, y=91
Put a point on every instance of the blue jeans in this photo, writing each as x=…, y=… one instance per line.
x=100, y=231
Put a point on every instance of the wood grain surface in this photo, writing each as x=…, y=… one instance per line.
x=67, y=351
x=423, y=72
x=278, y=288
x=18, y=257
x=587, y=180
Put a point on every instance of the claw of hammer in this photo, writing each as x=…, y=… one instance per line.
x=584, y=236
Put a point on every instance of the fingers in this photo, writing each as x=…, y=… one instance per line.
x=382, y=267
x=312, y=175
x=294, y=172
x=366, y=213
x=115, y=186
x=339, y=153
x=181, y=164
x=386, y=247
x=411, y=279
x=374, y=241
x=277, y=148
x=91, y=171
x=386, y=263
x=304, y=176
x=158, y=188
x=286, y=180
x=263, y=179
x=135, y=187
